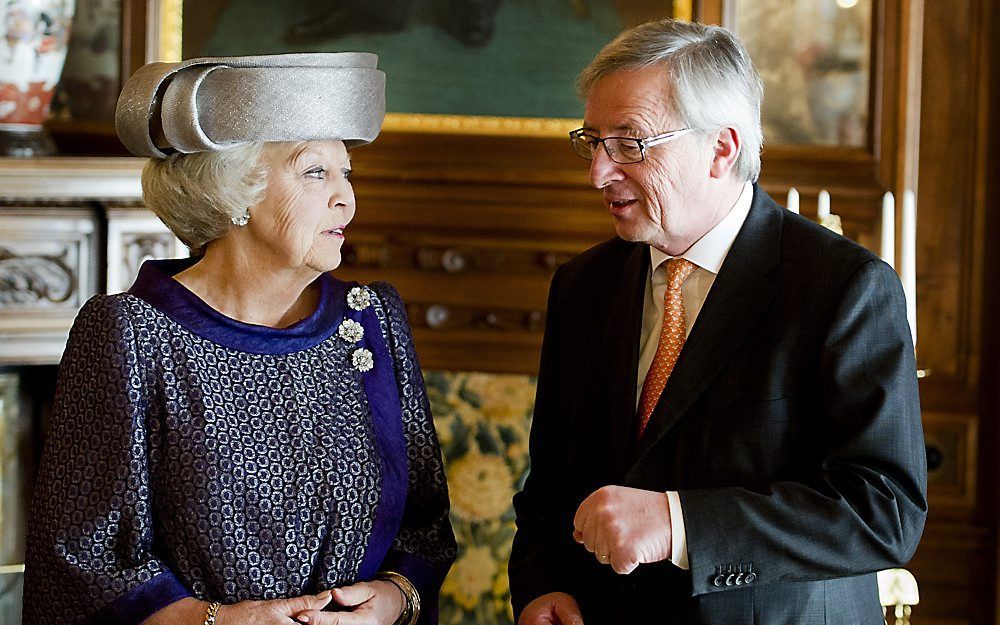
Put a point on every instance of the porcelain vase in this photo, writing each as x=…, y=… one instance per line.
x=32, y=52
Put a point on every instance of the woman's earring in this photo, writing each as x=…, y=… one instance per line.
x=243, y=219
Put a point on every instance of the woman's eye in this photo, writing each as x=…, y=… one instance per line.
x=317, y=172
x=347, y=174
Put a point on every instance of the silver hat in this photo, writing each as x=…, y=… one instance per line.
x=207, y=104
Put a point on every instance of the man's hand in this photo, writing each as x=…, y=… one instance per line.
x=624, y=527
x=555, y=608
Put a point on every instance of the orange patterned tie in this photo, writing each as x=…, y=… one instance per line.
x=671, y=339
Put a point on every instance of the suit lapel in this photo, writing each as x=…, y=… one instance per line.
x=621, y=335
x=741, y=293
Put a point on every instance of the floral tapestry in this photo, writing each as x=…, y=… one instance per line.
x=482, y=422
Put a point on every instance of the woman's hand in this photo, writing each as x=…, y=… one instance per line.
x=373, y=603
x=271, y=612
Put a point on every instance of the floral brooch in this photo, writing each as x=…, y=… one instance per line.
x=351, y=331
x=362, y=360
x=359, y=298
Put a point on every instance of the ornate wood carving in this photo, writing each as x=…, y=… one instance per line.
x=31, y=281
x=46, y=264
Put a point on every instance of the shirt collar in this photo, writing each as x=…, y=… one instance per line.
x=710, y=250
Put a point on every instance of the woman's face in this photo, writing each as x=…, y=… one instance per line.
x=308, y=203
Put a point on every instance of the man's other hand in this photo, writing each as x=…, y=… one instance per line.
x=624, y=527
x=555, y=608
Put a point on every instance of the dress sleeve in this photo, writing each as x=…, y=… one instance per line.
x=89, y=555
x=425, y=547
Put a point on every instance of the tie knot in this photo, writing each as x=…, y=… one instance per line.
x=678, y=270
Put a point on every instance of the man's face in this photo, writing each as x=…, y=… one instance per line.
x=661, y=200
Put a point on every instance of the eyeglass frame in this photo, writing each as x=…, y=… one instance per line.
x=643, y=143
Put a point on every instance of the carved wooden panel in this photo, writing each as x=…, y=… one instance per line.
x=134, y=236
x=48, y=269
x=952, y=441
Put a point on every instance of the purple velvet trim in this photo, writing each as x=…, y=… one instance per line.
x=142, y=601
x=383, y=400
x=156, y=286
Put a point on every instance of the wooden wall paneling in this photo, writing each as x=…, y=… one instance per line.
x=952, y=569
x=470, y=229
x=990, y=371
x=949, y=260
x=952, y=441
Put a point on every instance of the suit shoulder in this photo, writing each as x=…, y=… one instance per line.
x=808, y=244
x=607, y=257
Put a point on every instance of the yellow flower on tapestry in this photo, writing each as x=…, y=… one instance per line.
x=481, y=486
x=505, y=398
x=468, y=414
x=501, y=591
x=444, y=425
x=471, y=577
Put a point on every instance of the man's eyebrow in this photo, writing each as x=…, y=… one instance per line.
x=625, y=126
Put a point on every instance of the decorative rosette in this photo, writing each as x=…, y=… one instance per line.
x=359, y=298
x=351, y=331
x=363, y=360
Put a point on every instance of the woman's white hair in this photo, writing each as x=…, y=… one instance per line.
x=198, y=195
x=715, y=84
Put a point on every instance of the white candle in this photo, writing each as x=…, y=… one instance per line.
x=908, y=259
x=823, y=205
x=793, y=200
x=889, y=229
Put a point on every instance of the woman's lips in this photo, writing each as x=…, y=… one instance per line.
x=337, y=232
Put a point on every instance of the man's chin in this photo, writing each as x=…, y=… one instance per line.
x=630, y=232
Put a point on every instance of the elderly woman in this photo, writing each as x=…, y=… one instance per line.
x=241, y=438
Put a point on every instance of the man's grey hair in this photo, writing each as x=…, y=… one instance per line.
x=198, y=195
x=714, y=82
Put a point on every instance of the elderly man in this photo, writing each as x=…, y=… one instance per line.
x=727, y=426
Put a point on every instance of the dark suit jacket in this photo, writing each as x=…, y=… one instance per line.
x=790, y=427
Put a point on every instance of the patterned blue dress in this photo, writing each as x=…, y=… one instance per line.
x=193, y=455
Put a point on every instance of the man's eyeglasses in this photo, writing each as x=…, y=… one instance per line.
x=622, y=150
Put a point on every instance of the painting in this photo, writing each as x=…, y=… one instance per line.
x=451, y=64
x=814, y=57
x=90, y=83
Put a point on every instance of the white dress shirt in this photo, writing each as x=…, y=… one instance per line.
x=708, y=253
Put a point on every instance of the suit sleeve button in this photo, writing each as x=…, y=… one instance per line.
x=719, y=580
x=749, y=578
x=729, y=579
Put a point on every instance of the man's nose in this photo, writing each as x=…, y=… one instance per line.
x=603, y=170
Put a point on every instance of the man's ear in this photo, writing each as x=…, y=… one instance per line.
x=728, y=144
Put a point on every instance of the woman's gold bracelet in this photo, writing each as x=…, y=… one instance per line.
x=212, y=612
x=411, y=612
